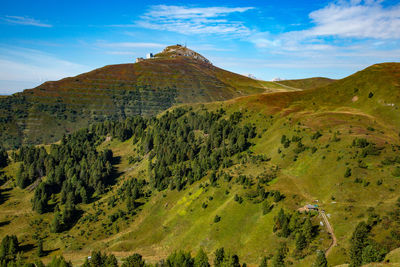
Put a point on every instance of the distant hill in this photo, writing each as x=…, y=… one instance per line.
x=176, y=75
x=372, y=88
x=309, y=83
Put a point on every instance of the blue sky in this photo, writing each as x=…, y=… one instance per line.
x=49, y=40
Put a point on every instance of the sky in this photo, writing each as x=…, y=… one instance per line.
x=45, y=40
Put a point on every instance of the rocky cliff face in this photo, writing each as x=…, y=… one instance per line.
x=182, y=51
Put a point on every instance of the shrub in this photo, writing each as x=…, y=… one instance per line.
x=316, y=135
x=347, y=173
x=396, y=172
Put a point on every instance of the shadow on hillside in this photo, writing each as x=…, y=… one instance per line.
x=75, y=218
x=4, y=195
x=27, y=247
x=116, y=160
x=49, y=251
x=51, y=207
x=4, y=223
x=114, y=174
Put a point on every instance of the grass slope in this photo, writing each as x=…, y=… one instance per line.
x=171, y=220
x=309, y=83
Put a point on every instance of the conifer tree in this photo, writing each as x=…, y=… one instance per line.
x=307, y=230
x=279, y=258
x=301, y=242
x=320, y=261
x=357, y=243
x=219, y=257
x=134, y=260
x=264, y=262
x=40, y=251
x=56, y=224
x=201, y=259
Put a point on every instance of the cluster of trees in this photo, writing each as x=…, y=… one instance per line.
x=292, y=224
x=33, y=164
x=73, y=168
x=101, y=259
x=367, y=148
x=363, y=249
x=183, y=145
x=320, y=261
x=185, y=259
x=131, y=191
x=63, y=220
x=300, y=147
x=175, y=259
x=186, y=145
x=9, y=249
x=133, y=126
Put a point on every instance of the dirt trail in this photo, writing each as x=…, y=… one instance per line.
x=288, y=87
x=330, y=231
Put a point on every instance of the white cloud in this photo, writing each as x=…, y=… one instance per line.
x=20, y=20
x=344, y=23
x=208, y=47
x=191, y=20
x=182, y=12
x=132, y=45
x=357, y=19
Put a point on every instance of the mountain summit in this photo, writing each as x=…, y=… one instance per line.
x=179, y=51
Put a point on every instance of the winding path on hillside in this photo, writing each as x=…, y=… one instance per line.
x=330, y=231
x=288, y=87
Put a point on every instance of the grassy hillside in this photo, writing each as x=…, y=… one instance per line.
x=314, y=147
x=309, y=83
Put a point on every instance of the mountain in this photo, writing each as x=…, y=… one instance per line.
x=309, y=83
x=232, y=174
x=176, y=75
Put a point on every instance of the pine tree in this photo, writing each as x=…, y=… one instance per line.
x=357, y=243
x=301, y=241
x=130, y=204
x=219, y=257
x=83, y=195
x=279, y=259
x=285, y=229
x=307, y=230
x=280, y=219
x=56, y=224
x=231, y=261
x=264, y=262
x=373, y=253
x=320, y=261
x=111, y=261
x=201, y=259
x=40, y=251
x=59, y=262
x=13, y=247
